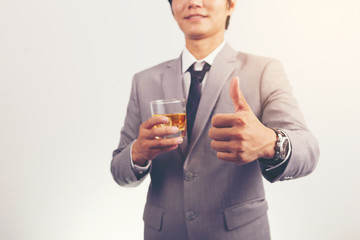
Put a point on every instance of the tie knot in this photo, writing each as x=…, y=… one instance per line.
x=198, y=75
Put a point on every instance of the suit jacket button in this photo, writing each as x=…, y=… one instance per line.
x=191, y=216
x=189, y=176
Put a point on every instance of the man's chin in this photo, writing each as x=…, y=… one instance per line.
x=198, y=35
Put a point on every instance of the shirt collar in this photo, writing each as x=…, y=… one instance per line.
x=188, y=59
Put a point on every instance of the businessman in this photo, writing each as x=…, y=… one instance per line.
x=243, y=124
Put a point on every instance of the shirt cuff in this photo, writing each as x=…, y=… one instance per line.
x=270, y=165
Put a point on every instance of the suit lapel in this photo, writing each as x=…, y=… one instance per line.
x=172, y=86
x=220, y=71
x=172, y=80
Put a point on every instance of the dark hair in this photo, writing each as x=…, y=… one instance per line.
x=227, y=19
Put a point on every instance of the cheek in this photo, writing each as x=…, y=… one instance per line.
x=176, y=16
x=176, y=11
x=217, y=5
x=219, y=11
x=177, y=6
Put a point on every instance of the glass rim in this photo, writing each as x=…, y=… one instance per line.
x=166, y=101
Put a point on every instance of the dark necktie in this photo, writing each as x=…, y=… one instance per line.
x=194, y=96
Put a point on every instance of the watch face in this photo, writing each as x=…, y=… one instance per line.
x=284, y=148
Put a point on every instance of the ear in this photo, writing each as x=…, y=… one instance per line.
x=231, y=7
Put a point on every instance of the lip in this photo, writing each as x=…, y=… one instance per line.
x=195, y=16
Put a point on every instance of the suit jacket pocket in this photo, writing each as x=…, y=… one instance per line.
x=153, y=216
x=242, y=214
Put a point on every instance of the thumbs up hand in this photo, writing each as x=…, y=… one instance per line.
x=240, y=137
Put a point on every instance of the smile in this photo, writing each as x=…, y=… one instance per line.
x=195, y=16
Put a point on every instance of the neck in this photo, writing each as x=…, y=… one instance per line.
x=200, y=48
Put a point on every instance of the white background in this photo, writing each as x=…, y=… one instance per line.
x=65, y=73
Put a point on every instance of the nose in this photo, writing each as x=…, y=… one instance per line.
x=195, y=3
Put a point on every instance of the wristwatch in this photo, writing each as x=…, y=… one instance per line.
x=282, y=146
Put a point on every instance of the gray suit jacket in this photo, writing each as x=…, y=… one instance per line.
x=194, y=195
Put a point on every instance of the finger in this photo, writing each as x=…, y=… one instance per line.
x=237, y=96
x=165, y=143
x=167, y=149
x=155, y=120
x=238, y=158
x=231, y=157
x=226, y=120
x=225, y=156
x=222, y=134
x=162, y=132
x=220, y=146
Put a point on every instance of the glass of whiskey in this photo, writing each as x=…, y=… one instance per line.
x=175, y=110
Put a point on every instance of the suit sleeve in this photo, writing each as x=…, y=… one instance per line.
x=280, y=110
x=121, y=168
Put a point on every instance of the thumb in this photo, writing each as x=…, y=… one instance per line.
x=237, y=96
